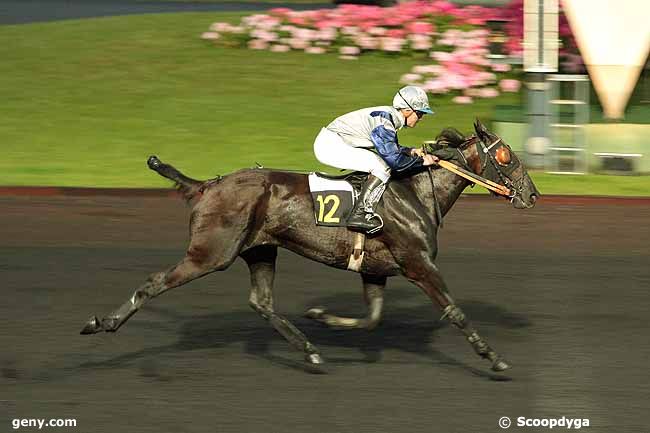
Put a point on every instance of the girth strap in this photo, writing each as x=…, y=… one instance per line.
x=356, y=258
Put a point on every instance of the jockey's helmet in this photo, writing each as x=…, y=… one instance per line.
x=412, y=97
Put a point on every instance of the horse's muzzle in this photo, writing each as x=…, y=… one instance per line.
x=519, y=203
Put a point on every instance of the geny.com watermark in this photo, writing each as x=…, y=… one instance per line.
x=564, y=422
x=17, y=423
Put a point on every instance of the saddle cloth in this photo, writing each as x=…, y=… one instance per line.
x=334, y=197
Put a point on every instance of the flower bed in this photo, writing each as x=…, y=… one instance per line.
x=454, y=38
x=409, y=28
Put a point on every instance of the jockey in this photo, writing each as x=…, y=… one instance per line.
x=349, y=141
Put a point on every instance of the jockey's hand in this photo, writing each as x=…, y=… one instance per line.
x=417, y=152
x=430, y=160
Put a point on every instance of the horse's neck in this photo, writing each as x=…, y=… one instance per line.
x=448, y=186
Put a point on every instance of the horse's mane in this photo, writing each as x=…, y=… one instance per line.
x=452, y=137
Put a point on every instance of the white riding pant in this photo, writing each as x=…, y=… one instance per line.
x=330, y=149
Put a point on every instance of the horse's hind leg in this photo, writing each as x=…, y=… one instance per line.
x=373, y=290
x=185, y=271
x=261, y=263
x=203, y=256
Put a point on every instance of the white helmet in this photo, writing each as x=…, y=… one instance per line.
x=413, y=98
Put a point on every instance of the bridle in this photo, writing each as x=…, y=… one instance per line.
x=515, y=186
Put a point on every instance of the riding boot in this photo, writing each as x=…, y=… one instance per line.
x=363, y=217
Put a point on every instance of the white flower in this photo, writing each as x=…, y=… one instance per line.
x=210, y=36
x=350, y=51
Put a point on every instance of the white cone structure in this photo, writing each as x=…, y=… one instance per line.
x=614, y=40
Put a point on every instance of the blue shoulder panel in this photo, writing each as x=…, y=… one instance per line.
x=384, y=114
x=397, y=158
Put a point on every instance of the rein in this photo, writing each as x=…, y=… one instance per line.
x=475, y=178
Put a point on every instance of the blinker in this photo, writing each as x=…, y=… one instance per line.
x=502, y=155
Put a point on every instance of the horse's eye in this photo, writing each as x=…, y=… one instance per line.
x=503, y=156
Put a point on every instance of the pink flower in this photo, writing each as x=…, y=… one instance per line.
x=377, y=31
x=254, y=20
x=392, y=44
x=350, y=31
x=257, y=44
x=328, y=34
x=396, y=33
x=427, y=69
x=444, y=7
x=299, y=21
x=264, y=35
x=488, y=92
x=435, y=86
x=410, y=78
x=298, y=44
x=315, y=50
x=281, y=12
x=420, y=27
x=366, y=42
x=509, y=85
x=265, y=22
x=306, y=34
x=456, y=81
x=350, y=51
x=486, y=77
x=441, y=56
x=501, y=67
x=280, y=48
x=460, y=69
x=462, y=100
x=447, y=41
x=420, y=42
x=220, y=27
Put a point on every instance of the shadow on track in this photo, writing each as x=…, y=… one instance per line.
x=408, y=328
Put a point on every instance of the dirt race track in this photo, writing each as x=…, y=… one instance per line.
x=562, y=291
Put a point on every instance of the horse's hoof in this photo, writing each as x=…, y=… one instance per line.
x=500, y=365
x=93, y=326
x=153, y=162
x=315, y=313
x=314, y=358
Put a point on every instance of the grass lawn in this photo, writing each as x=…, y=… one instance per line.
x=85, y=102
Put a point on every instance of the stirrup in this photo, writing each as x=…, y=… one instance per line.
x=379, y=227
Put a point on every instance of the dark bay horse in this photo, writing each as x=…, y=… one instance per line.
x=252, y=212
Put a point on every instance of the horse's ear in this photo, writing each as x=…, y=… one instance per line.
x=481, y=131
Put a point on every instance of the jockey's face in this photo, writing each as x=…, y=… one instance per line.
x=412, y=117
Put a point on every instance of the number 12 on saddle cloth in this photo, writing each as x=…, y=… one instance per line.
x=333, y=200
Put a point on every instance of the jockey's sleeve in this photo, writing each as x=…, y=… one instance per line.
x=397, y=157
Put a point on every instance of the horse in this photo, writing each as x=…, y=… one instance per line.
x=251, y=212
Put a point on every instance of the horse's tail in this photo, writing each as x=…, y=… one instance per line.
x=187, y=186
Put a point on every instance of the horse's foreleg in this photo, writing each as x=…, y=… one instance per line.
x=431, y=282
x=261, y=263
x=373, y=289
